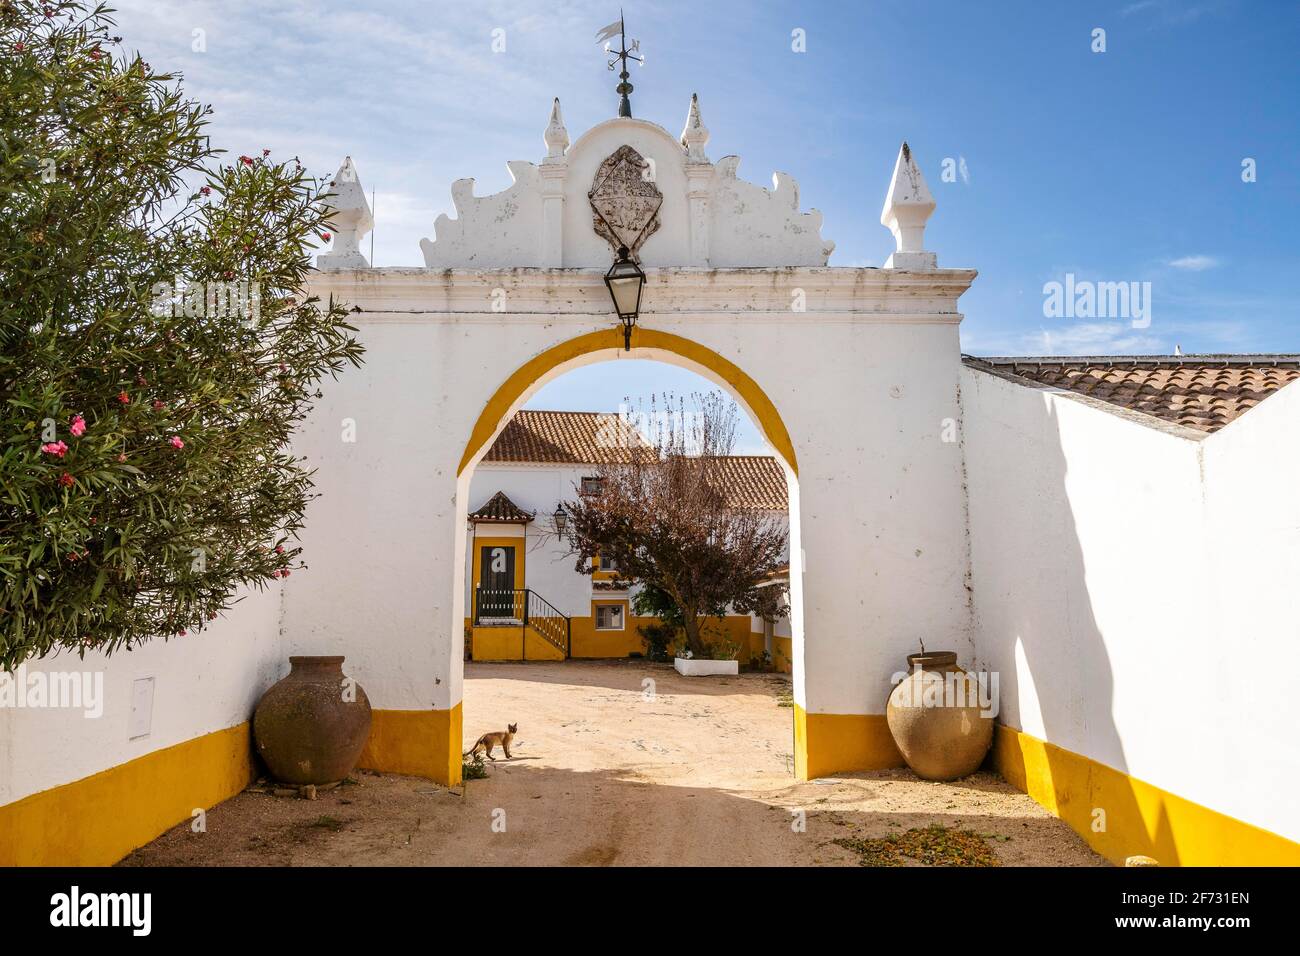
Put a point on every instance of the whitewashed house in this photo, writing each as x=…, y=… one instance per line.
x=524, y=596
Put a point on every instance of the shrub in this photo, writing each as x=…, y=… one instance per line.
x=156, y=350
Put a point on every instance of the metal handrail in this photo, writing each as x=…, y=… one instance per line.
x=530, y=609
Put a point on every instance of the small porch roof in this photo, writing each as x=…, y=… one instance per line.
x=502, y=510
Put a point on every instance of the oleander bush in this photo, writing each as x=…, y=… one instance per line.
x=156, y=348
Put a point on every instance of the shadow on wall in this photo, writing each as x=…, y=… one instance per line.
x=1045, y=634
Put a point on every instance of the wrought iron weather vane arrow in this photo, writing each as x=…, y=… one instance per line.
x=621, y=56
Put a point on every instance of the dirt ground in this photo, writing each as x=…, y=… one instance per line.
x=619, y=763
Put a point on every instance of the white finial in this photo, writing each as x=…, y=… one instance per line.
x=695, y=134
x=1178, y=350
x=556, y=136
x=351, y=218
x=907, y=207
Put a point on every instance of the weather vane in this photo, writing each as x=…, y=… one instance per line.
x=621, y=56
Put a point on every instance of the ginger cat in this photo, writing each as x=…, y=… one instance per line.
x=488, y=741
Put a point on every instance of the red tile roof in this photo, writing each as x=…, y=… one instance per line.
x=1198, y=391
x=577, y=438
x=501, y=508
x=755, y=481
x=592, y=438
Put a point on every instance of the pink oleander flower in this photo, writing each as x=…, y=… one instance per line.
x=176, y=442
x=246, y=160
x=279, y=549
x=66, y=480
x=78, y=427
x=57, y=448
x=326, y=236
x=124, y=398
x=158, y=406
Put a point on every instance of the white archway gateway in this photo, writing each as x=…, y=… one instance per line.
x=851, y=373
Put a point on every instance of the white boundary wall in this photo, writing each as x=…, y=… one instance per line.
x=1136, y=589
x=202, y=683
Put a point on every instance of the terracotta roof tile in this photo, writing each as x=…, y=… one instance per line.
x=585, y=438
x=755, y=481
x=1200, y=392
x=501, y=508
x=591, y=438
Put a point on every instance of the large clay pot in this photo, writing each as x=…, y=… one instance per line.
x=942, y=734
x=310, y=727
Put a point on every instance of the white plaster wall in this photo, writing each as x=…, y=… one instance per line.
x=203, y=682
x=863, y=380
x=1110, y=564
x=548, y=567
x=1252, y=499
x=378, y=587
x=880, y=503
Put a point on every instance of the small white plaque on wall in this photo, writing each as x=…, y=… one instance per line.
x=141, y=708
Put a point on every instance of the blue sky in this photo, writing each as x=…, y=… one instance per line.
x=1122, y=166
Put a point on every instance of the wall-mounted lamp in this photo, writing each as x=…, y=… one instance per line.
x=625, y=281
x=561, y=519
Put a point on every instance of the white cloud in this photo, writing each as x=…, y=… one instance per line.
x=1092, y=338
x=1075, y=338
x=418, y=101
x=1194, y=263
x=1170, y=12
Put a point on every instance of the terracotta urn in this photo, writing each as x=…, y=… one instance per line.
x=312, y=726
x=937, y=719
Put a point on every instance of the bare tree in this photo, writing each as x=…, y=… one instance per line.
x=664, y=515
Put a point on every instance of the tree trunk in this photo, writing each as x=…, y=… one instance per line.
x=694, y=640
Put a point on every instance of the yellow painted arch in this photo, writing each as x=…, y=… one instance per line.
x=499, y=405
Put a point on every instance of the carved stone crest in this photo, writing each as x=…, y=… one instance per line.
x=625, y=200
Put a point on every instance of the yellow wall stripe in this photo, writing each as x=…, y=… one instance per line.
x=825, y=744
x=1139, y=818
x=99, y=819
x=422, y=743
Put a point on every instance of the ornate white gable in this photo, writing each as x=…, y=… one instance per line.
x=708, y=217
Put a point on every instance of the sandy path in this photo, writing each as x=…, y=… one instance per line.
x=609, y=770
